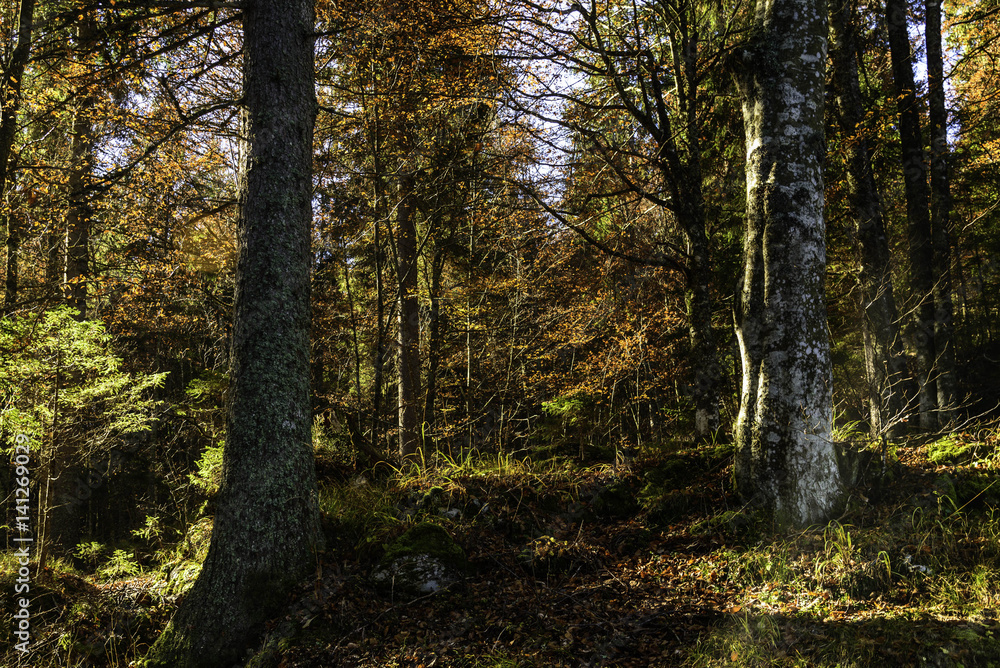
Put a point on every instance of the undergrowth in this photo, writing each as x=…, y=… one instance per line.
x=645, y=561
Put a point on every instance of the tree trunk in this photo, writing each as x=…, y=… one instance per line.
x=918, y=216
x=433, y=346
x=266, y=529
x=704, y=358
x=884, y=363
x=408, y=353
x=700, y=306
x=78, y=216
x=11, y=101
x=944, y=343
x=11, y=279
x=786, y=461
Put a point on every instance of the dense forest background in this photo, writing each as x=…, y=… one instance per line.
x=528, y=236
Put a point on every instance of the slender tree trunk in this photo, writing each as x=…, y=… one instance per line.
x=702, y=337
x=918, y=216
x=78, y=217
x=408, y=349
x=786, y=460
x=380, y=321
x=266, y=529
x=11, y=279
x=11, y=100
x=944, y=340
x=884, y=363
x=434, y=344
x=380, y=334
x=701, y=306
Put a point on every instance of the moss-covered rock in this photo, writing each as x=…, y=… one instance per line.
x=422, y=561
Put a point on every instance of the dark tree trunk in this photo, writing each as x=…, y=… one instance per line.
x=11, y=279
x=944, y=340
x=78, y=216
x=433, y=346
x=11, y=101
x=786, y=461
x=917, y=214
x=884, y=363
x=700, y=305
x=408, y=348
x=381, y=326
x=704, y=357
x=266, y=529
x=380, y=351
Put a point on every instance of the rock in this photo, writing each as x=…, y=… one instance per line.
x=422, y=561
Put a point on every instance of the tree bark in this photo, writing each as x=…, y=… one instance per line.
x=917, y=214
x=408, y=352
x=884, y=363
x=433, y=346
x=944, y=339
x=704, y=357
x=786, y=461
x=700, y=304
x=266, y=529
x=11, y=101
x=78, y=215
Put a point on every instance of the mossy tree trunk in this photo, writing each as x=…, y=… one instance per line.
x=786, y=460
x=266, y=529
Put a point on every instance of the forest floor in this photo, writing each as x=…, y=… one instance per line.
x=643, y=561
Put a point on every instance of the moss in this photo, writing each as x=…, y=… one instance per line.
x=952, y=450
x=433, y=499
x=423, y=560
x=430, y=539
x=735, y=523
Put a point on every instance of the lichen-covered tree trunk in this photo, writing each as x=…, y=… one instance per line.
x=408, y=353
x=266, y=529
x=944, y=339
x=917, y=213
x=786, y=461
x=884, y=363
